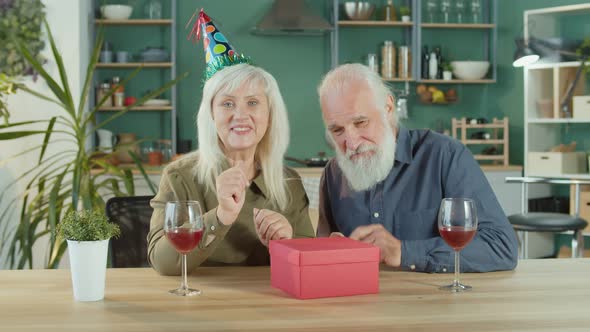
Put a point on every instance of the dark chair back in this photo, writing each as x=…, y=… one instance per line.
x=133, y=215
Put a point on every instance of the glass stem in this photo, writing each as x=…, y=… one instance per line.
x=184, y=282
x=457, y=269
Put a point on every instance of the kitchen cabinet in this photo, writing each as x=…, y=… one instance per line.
x=156, y=119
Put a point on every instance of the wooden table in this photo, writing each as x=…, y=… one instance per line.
x=541, y=295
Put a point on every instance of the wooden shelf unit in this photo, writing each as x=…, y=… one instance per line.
x=499, y=136
x=458, y=26
x=136, y=108
x=458, y=81
x=375, y=24
x=133, y=22
x=135, y=65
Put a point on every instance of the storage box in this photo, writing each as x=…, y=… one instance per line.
x=581, y=107
x=556, y=163
x=585, y=207
x=324, y=267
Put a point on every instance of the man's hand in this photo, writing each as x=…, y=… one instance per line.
x=231, y=191
x=391, y=248
x=271, y=225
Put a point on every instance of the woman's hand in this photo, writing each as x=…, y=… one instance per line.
x=271, y=225
x=231, y=191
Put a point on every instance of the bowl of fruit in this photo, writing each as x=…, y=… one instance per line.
x=433, y=95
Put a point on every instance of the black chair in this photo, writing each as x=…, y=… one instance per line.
x=547, y=221
x=133, y=215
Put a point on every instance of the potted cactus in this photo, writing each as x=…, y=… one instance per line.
x=87, y=233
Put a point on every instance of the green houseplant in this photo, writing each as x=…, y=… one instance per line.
x=65, y=181
x=447, y=71
x=404, y=12
x=87, y=233
x=21, y=18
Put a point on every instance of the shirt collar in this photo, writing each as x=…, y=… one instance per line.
x=258, y=181
x=403, y=149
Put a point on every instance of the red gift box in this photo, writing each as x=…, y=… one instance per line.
x=324, y=267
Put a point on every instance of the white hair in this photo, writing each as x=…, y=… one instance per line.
x=380, y=164
x=271, y=149
x=338, y=79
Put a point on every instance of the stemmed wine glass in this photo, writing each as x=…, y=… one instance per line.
x=431, y=9
x=445, y=8
x=183, y=226
x=457, y=224
x=460, y=9
x=475, y=10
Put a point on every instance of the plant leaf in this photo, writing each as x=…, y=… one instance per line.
x=69, y=101
x=19, y=134
x=47, y=136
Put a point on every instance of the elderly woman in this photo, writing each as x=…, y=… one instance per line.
x=248, y=196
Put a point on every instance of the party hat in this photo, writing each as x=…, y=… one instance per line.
x=218, y=52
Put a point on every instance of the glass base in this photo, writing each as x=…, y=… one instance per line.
x=185, y=292
x=455, y=288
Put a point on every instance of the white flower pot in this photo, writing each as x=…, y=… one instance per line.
x=406, y=18
x=447, y=75
x=88, y=264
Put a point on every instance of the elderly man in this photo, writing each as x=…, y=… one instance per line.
x=386, y=183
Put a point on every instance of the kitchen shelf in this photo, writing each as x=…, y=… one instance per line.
x=135, y=65
x=456, y=81
x=484, y=141
x=557, y=121
x=375, y=24
x=399, y=80
x=137, y=108
x=133, y=22
x=457, y=26
x=488, y=157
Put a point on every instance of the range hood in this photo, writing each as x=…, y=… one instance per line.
x=291, y=17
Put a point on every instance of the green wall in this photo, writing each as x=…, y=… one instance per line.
x=298, y=64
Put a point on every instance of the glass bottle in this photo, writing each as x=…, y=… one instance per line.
x=388, y=60
x=425, y=60
x=404, y=65
x=119, y=94
x=101, y=91
x=388, y=11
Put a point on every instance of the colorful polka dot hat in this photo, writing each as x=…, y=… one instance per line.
x=218, y=52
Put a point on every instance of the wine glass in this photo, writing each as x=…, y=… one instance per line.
x=445, y=8
x=475, y=10
x=457, y=224
x=431, y=9
x=460, y=9
x=183, y=226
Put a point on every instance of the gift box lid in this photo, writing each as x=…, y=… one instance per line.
x=323, y=251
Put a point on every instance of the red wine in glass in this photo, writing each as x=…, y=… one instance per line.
x=457, y=237
x=184, y=240
x=183, y=226
x=457, y=224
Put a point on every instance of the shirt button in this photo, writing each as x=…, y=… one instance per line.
x=444, y=269
x=212, y=228
x=376, y=214
x=412, y=267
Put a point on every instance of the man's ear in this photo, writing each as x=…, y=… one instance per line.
x=390, y=106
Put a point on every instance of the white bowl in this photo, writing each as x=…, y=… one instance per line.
x=470, y=70
x=116, y=12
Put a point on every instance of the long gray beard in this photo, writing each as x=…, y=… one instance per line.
x=366, y=172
